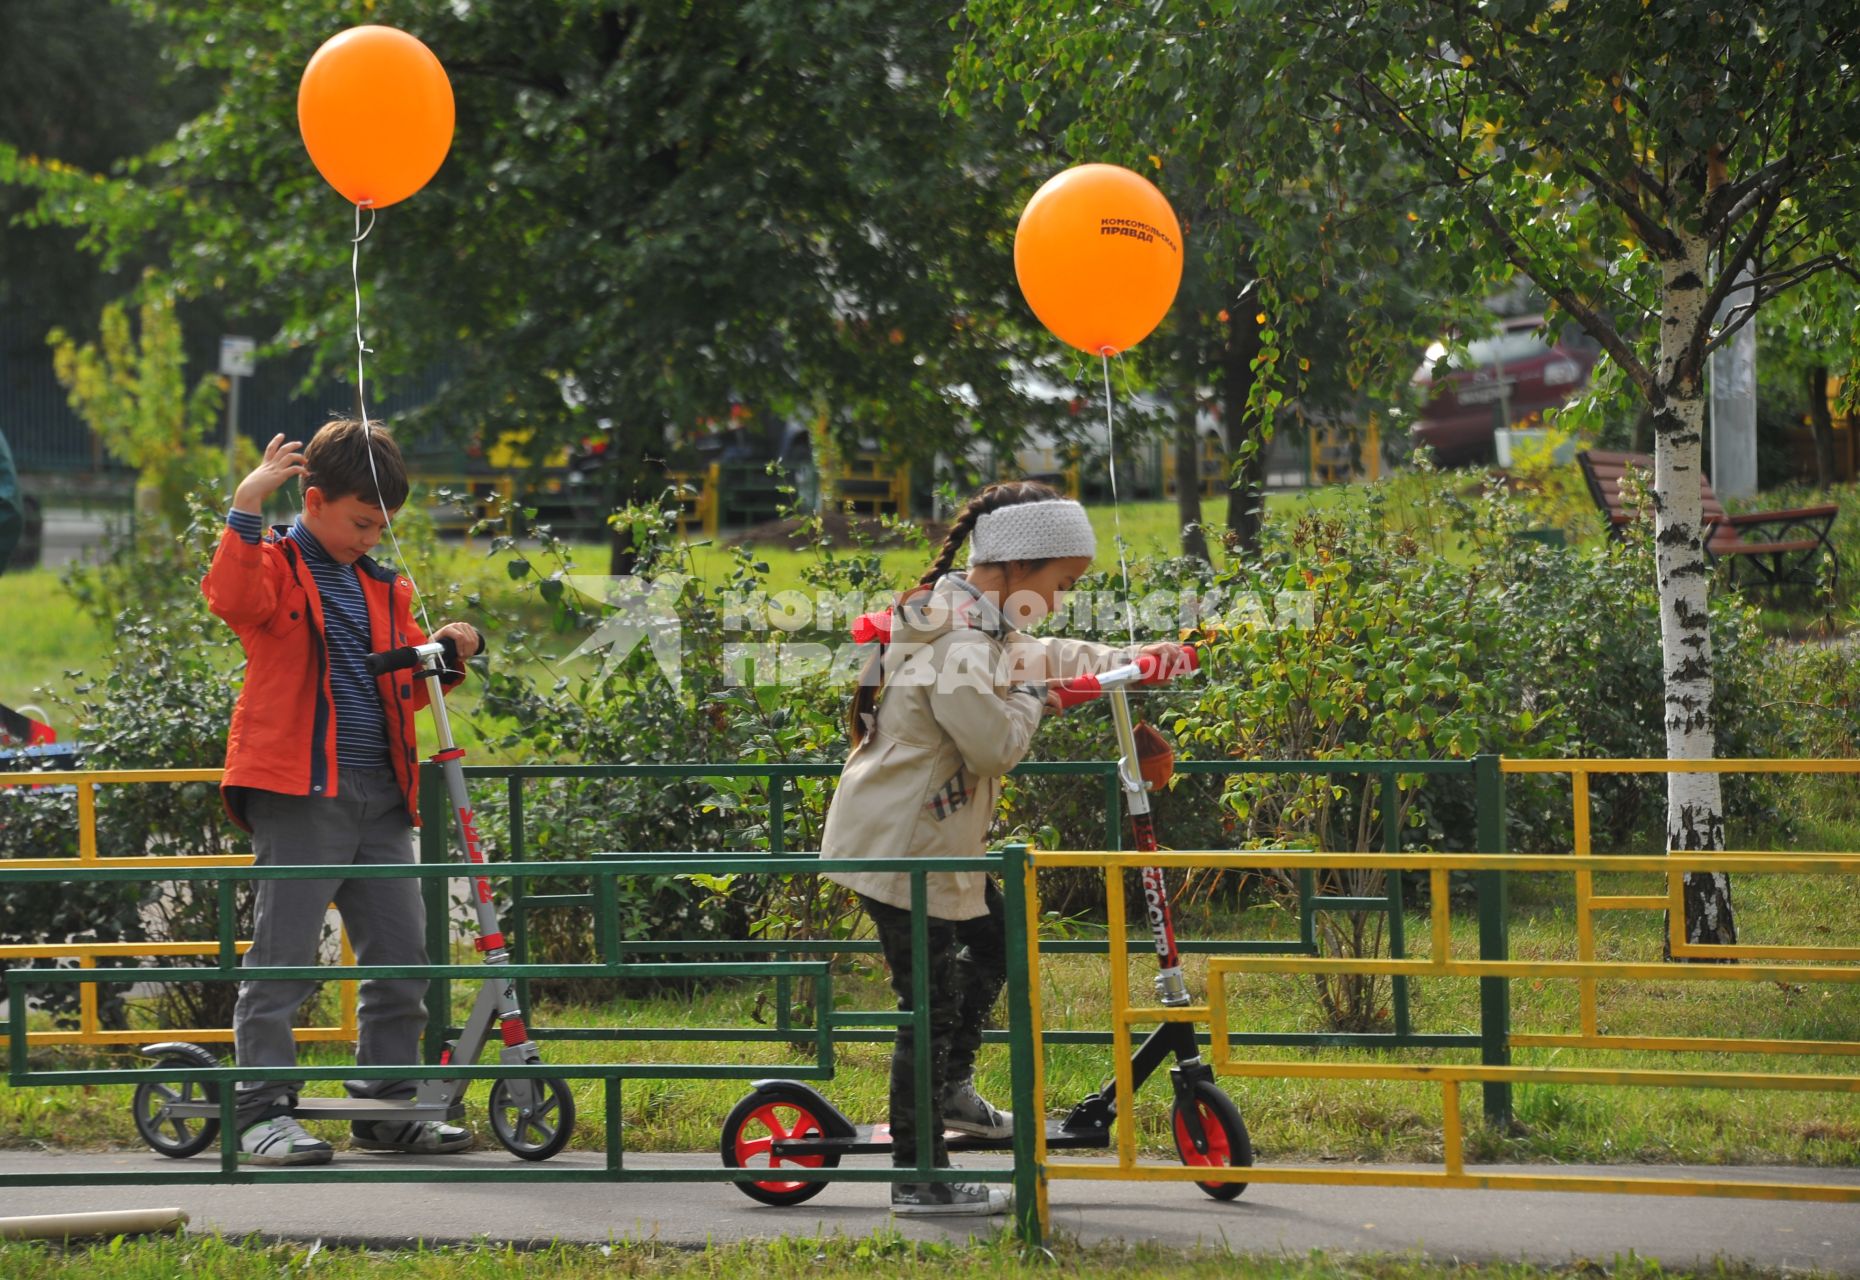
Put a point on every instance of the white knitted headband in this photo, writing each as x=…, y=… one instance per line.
x=1048, y=530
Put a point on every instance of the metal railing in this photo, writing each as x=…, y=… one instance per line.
x=1488, y=869
x=1483, y=771
x=603, y=875
x=83, y=784
x=1492, y=970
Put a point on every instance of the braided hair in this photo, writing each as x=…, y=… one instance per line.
x=1011, y=493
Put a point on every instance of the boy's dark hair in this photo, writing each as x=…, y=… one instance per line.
x=1010, y=493
x=337, y=463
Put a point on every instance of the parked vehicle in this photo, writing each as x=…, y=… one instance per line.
x=1504, y=380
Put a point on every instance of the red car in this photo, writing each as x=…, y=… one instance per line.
x=1506, y=379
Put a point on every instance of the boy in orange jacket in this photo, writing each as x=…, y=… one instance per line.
x=321, y=769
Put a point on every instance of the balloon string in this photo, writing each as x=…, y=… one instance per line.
x=1117, y=519
x=362, y=349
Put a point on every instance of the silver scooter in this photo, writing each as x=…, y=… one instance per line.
x=532, y=1118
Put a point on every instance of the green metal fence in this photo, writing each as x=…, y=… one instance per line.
x=1491, y=1040
x=602, y=874
x=832, y=1027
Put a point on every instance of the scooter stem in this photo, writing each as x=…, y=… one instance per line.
x=1171, y=986
x=450, y=757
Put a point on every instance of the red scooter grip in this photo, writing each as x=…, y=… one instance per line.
x=872, y=628
x=1148, y=669
x=1070, y=693
x=1156, y=671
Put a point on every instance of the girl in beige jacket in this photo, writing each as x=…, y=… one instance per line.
x=964, y=692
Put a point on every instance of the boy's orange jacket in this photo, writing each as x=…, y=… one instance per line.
x=283, y=735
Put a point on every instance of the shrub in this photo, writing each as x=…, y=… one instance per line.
x=163, y=703
x=626, y=713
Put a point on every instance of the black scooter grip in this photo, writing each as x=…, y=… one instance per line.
x=379, y=664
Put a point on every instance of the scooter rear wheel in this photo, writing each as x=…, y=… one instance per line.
x=538, y=1132
x=1229, y=1144
x=750, y=1133
x=176, y=1136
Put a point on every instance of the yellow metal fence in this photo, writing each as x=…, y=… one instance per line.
x=1740, y=964
x=1589, y=902
x=1441, y=963
x=90, y=1030
x=1745, y=964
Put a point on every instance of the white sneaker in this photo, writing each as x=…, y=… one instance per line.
x=914, y=1198
x=966, y=1111
x=281, y=1140
x=424, y=1137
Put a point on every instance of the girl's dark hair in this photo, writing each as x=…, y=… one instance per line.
x=996, y=496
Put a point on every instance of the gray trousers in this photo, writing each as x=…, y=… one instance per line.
x=364, y=824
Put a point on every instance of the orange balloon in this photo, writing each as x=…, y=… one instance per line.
x=1099, y=257
x=375, y=110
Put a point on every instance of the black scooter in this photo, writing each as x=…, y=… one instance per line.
x=786, y=1122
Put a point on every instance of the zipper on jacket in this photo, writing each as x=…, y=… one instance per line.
x=319, y=766
x=408, y=766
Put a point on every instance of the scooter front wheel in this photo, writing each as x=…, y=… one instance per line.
x=533, y=1123
x=751, y=1131
x=1228, y=1143
x=152, y=1107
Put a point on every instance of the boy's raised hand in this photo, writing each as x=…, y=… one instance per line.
x=283, y=459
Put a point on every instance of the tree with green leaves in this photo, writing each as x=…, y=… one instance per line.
x=129, y=387
x=1810, y=340
x=651, y=210
x=1305, y=293
x=1631, y=160
x=56, y=108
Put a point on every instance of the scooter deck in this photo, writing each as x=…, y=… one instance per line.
x=337, y=1109
x=375, y=1109
x=875, y=1139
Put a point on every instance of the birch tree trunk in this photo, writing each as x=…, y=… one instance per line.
x=1694, y=802
x=1239, y=426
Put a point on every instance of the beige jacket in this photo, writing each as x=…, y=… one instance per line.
x=962, y=697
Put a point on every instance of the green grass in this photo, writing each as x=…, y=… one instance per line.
x=46, y=636
x=789, y=1258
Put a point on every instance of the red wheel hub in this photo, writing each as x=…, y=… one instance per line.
x=1218, y=1153
x=774, y=1120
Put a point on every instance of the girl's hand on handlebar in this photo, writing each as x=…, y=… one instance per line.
x=1171, y=660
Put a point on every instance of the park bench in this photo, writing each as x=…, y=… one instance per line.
x=1780, y=547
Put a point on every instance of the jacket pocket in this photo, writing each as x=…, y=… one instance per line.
x=292, y=612
x=951, y=796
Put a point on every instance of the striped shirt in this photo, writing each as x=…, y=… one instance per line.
x=361, y=727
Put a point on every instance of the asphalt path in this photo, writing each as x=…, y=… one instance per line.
x=1543, y=1227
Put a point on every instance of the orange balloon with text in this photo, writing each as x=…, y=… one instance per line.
x=375, y=110
x=1099, y=256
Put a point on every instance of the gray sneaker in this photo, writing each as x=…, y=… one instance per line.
x=281, y=1140
x=425, y=1138
x=966, y=1111
x=949, y=1197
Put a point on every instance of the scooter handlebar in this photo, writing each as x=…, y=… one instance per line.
x=412, y=655
x=1148, y=669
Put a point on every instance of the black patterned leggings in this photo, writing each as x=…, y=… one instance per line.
x=968, y=968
